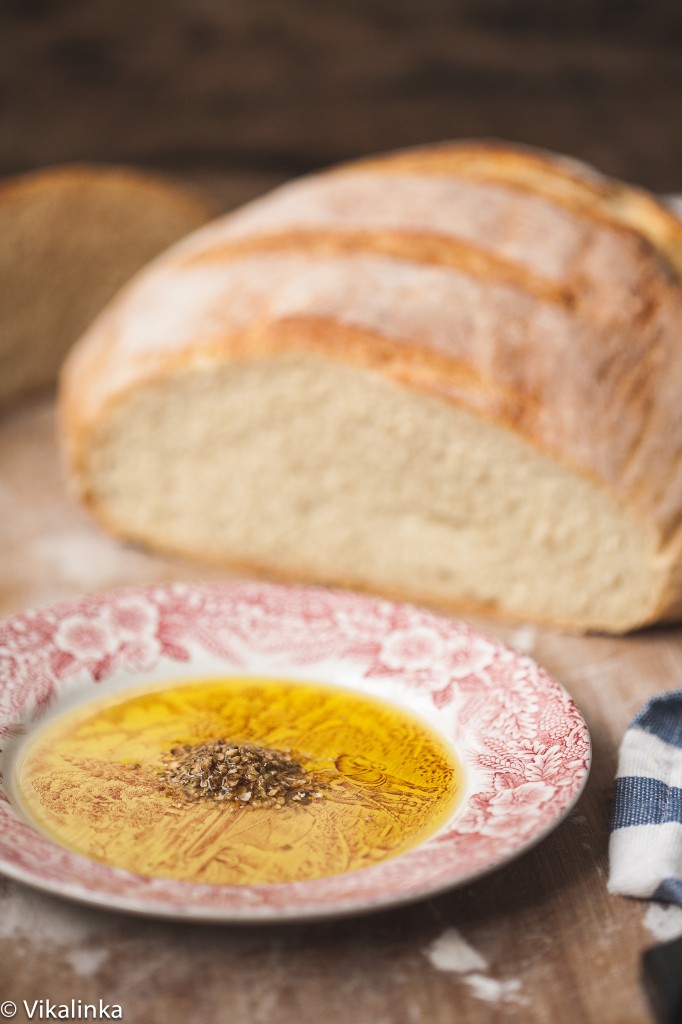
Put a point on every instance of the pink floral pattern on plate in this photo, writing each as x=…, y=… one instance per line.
x=523, y=742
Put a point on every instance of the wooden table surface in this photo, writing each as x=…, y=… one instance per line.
x=280, y=87
x=558, y=947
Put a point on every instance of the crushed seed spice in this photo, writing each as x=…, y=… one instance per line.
x=239, y=773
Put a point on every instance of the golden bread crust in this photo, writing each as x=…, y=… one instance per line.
x=517, y=285
x=70, y=237
x=72, y=177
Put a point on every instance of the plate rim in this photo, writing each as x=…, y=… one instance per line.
x=189, y=910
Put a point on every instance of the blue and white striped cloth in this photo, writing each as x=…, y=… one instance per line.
x=645, y=849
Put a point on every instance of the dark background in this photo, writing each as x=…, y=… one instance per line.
x=239, y=94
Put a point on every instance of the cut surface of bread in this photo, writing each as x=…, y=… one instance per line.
x=70, y=237
x=450, y=376
x=411, y=495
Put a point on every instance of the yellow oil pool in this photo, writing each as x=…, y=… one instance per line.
x=91, y=779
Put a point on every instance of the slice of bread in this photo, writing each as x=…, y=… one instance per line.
x=69, y=238
x=450, y=375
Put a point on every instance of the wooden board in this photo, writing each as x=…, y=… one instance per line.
x=281, y=88
x=558, y=947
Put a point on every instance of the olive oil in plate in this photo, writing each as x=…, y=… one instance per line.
x=239, y=781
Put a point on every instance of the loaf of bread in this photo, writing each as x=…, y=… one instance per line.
x=451, y=375
x=69, y=238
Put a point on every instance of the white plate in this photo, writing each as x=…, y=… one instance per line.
x=522, y=741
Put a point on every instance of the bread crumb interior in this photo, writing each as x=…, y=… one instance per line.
x=326, y=472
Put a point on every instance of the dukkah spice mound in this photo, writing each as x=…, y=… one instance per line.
x=239, y=773
x=90, y=779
